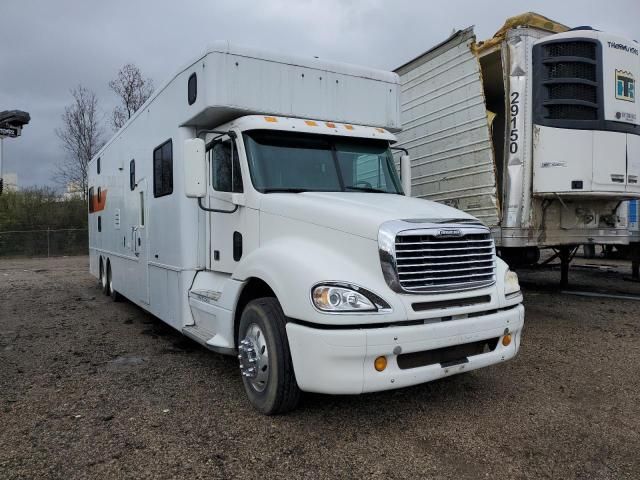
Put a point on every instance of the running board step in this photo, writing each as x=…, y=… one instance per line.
x=208, y=339
x=198, y=334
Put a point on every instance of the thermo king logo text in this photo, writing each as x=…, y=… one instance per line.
x=622, y=46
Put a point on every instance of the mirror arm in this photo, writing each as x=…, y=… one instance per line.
x=405, y=170
x=406, y=152
x=215, y=210
x=220, y=133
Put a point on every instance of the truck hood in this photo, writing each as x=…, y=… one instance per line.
x=357, y=213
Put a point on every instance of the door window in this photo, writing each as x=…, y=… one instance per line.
x=368, y=171
x=225, y=172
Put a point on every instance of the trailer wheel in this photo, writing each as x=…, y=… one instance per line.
x=265, y=359
x=115, y=296
x=104, y=284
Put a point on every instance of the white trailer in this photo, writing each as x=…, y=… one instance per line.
x=536, y=132
x=253, y=204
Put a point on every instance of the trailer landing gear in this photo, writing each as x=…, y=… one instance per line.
x=635, y=261
x=565, y=254
x=565, y=259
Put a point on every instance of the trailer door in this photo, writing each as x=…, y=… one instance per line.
x=446, y=128
x=140, y=242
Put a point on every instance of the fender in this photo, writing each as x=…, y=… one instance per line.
x=291, y=265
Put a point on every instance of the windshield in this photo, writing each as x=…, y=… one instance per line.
x=300, y=162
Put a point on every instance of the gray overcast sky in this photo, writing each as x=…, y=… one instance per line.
x=48, y=46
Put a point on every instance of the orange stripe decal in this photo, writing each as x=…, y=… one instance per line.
x=98, y=202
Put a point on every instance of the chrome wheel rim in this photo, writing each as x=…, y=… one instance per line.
x=254, y=358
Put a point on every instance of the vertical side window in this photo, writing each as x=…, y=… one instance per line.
x=98, y=165
x=142, y=209
x=192, y=89
x=99, y=223
x=99, y=194
x=163, y=169
x=91, y=199
x=132, y=174
x=226, y=176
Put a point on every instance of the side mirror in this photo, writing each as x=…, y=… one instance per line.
x=405, y=174
x=195, y=168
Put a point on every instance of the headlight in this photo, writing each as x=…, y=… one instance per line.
x=346, y=298
x=511, y=284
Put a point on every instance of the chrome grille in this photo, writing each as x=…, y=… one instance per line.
x=429, y=261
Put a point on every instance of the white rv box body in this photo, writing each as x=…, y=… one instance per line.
x=238, y=81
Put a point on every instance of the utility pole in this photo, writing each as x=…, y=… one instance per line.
x=11, y=124
x=1, y=155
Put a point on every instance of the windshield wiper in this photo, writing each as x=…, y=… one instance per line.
x=368, y=189
x=284, y=190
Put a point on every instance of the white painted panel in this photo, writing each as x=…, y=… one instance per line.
x=244, y=81
x=561, y=156
x=609, y=161
x=174, y=299
x=159, y=303
x=633, y=163
x=621, y=71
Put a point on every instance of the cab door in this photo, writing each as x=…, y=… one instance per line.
x=227, y=226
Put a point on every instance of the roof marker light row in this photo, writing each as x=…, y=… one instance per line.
x=313, y=123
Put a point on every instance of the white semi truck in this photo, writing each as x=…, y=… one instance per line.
x=253, y=204
x=536, y=132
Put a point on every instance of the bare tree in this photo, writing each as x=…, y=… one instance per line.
x=82, y=136
x=133, y=90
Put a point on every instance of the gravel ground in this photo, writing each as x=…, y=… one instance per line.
x=92, y=389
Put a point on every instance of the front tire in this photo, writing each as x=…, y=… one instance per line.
x=265, y=358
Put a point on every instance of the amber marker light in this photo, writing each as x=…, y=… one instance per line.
x=271, y=119
x=506, y=340
x=380, y=363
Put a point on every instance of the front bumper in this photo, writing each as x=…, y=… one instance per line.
x=342, y=361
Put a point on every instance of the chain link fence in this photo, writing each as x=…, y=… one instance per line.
x=44, y=243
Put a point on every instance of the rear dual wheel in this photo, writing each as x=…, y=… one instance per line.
x=265, y=358
x=106, y=282
x=113, y=293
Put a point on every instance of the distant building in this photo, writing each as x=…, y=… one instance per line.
x=10, y=182
x=73, y=191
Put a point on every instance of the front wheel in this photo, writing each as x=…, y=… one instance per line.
x=265, y=359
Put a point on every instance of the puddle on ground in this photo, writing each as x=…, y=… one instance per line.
x=131, y=361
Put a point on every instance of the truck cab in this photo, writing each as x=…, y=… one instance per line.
x=376, y=290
